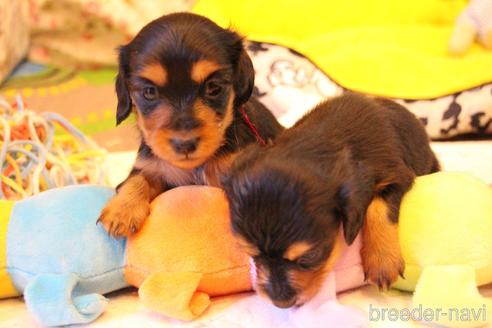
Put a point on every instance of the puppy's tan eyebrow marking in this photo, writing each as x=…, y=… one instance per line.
x=154, y=72
x=202, y=69
x=249, y=248
x=296, y=250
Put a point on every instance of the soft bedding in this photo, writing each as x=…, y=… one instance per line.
x=248, y=310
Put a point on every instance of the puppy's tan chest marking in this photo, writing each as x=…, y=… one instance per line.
x=168, y=173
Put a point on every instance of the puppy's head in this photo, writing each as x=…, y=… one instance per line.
x=184, y=76
x=288, y=219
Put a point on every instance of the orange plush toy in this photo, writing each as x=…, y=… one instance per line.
x=177, y=276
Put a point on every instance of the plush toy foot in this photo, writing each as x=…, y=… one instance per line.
x=174, y=294
x=50, y=298
x=451, y=294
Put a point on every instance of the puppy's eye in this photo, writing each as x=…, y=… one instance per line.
x=213, y=89
x=310, y=259
x=149, y=93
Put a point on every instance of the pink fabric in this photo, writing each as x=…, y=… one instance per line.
x=348, y=270
x=324, y=310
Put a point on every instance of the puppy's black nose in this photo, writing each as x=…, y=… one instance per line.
x=282, y=295
x=184, y=146
x=285, y=304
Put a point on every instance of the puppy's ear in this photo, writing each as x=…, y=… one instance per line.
x=352, y=214
x=244, y=75
x=124, y=101
x=353, y=197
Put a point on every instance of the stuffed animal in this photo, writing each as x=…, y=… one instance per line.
x=62, y=261
x=446, y=241
x=474, y=23
x=52, y=252
x=185, y=253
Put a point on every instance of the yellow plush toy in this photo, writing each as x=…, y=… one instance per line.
x=446, y=240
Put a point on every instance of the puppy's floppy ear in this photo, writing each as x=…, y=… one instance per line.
x=353, y=197
x=124, y=101
x=244, y=73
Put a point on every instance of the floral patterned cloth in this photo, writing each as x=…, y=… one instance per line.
x=14, y=34
x=85, y=33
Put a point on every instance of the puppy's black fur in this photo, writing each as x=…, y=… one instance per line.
x=289, y=200
x=187, y=81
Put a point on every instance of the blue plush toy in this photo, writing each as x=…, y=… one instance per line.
x=62, y=277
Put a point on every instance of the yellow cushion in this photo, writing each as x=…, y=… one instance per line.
x=391, y=48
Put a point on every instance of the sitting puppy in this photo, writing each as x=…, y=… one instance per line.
x=346, y=164
x=188, y=81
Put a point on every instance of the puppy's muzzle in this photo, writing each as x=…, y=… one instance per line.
x=282, y=296
x=285, y=304
x=184, y=146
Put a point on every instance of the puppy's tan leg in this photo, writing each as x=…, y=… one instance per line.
x=381, y=254
x=127, y=210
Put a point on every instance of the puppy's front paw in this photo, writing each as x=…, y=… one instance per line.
x=123, y=216
x=382, y=269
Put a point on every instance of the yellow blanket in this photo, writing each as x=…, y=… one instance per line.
x=383, y=47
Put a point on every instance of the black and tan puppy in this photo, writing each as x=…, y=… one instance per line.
x=189, y=83
x=346, y=164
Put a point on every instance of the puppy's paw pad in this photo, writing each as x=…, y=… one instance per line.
x=121, y=217
x=382, y=271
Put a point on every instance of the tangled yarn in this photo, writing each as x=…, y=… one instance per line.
x=43, y=151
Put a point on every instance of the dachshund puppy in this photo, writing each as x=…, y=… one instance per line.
x=189, y=83
x=345, y=164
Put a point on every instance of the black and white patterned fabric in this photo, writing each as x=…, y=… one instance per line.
x=289, y=84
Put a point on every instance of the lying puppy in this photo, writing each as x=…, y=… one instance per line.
x=188, y=81
x=346, y=164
